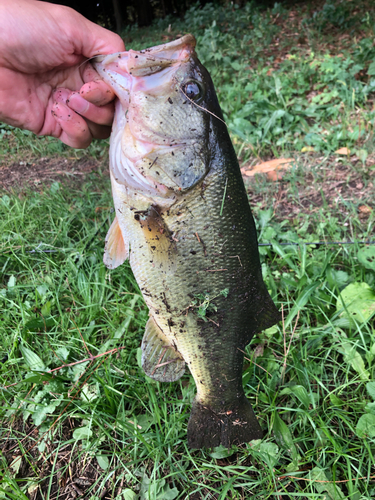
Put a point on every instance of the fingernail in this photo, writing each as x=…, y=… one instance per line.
x=61, y=94
x=78, y=103
x=61, y=111
x=94, y=94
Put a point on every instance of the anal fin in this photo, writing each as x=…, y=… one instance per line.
x=160, y=360
x=116, y=251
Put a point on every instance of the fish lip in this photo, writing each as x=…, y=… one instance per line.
x=187, y=41
x=149, y=61
x=106, y=58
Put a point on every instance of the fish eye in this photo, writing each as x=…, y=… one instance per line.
x=192, y=89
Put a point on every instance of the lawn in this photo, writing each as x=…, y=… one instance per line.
x=78, y=417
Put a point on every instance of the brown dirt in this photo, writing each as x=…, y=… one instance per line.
x=20, y=175
x=293, y=36
x=337, y=184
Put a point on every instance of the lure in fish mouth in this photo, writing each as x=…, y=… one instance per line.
x=184, y=221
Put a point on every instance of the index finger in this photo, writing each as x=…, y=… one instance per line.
x=95, y=90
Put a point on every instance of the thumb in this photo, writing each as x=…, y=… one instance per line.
x=90, y=39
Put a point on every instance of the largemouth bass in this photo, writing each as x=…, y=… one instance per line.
x=184, y=221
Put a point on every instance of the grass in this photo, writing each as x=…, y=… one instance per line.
x=310, y=379
x=25, y=146
x=96, y=423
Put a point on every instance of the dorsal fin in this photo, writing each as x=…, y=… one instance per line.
x=116, y=251
x=160, y=360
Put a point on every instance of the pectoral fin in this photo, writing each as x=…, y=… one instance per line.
x=160, y=360
x=116, y=251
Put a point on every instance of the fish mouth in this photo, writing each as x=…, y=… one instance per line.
x=146, y=70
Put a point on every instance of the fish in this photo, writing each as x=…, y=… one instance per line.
x=183, y=219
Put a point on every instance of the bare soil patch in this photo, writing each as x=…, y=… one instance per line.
x=40, y=172
x=335, y=183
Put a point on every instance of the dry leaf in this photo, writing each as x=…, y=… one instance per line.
x=364, y=210
x=32, y=487
x=343, y=151
x=275, y=175
x=258, y=351
x=16, y=464
x=273, y=168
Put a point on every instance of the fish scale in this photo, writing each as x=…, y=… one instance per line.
x=190, y=240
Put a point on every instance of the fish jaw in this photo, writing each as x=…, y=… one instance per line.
x=126, y=177
x=148, y=61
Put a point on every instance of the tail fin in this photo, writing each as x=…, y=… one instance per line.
x=209, y=427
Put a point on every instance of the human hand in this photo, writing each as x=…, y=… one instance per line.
x=45, y=84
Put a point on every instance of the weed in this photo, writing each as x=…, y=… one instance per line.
x=204, y=303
